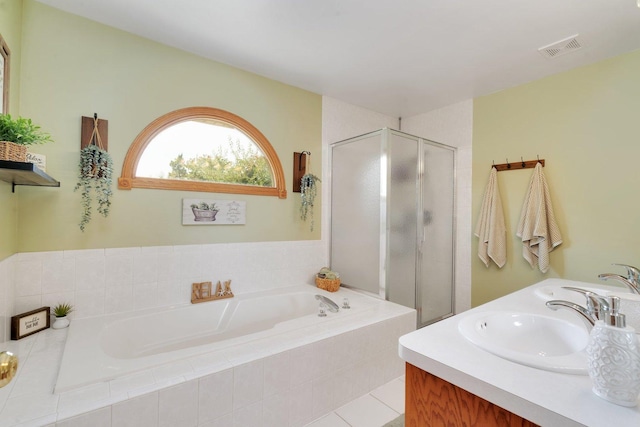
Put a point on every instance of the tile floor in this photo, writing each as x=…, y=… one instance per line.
x=371, y=410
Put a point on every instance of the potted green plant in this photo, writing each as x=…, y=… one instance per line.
x=16, y=135
x=95, y=176
x=308, y=193
x=61, y=311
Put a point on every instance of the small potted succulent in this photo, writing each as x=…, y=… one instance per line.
x=61, y=311
x=16, y=134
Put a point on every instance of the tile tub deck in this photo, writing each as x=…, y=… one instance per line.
x=288, y=381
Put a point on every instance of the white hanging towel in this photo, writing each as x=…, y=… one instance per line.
x=537, y=226
x=490, y=227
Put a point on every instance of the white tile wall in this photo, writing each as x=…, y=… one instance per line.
x=248, y=383
x=103, y=281
x=178, y=405
x=98, y=418
x=215, y=398
x=275, y=410
x=136, y=412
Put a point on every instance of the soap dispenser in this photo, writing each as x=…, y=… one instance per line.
x=614, y=357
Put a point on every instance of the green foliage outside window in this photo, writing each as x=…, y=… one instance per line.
x=244, y=165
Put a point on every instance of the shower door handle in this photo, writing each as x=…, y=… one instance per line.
x=423, y=238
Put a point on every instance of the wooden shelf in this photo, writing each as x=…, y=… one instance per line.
x=24, y=173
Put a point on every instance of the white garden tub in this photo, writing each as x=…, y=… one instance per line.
x=105, y=347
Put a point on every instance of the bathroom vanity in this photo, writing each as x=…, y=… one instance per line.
x=451, y=380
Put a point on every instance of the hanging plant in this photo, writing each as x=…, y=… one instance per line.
x=308, y=193
x=95, y=176
x=96, y=168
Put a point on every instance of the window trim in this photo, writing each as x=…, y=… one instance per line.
x=128, y=180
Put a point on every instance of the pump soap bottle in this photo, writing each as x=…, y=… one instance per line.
x=614, y=357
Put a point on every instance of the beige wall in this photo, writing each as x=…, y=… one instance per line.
x=11, y=30
x=73, y=67
x=584, y=122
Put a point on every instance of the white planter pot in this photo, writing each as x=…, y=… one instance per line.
x=60, y=322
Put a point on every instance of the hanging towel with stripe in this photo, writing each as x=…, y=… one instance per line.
x=490, y=227
x=537, y=226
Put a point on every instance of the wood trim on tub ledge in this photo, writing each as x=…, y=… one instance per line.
x=431, y=401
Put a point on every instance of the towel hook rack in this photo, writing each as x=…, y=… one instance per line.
x=523, y=164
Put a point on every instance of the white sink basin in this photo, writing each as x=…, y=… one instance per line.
x=534, y=340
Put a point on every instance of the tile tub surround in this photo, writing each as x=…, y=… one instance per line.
x=288, y=380
x=104, y=281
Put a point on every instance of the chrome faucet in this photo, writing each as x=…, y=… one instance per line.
x=596, y=309
x=633, y=274
x=332, y=306
x=633, y=287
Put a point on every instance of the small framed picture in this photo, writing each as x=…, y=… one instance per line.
x=4, y=75
x=213, y=212
x=25, y=324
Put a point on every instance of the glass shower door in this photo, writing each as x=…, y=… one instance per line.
x=402, y=205
x=435, y=291
x=357, y=212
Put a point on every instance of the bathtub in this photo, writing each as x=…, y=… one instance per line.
x=203, y=323
x=102, y=348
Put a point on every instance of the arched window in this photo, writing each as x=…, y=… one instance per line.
x=203, y=149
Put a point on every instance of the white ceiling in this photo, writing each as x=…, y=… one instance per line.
x=398, y=57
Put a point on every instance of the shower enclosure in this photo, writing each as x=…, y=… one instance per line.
x=393, y=219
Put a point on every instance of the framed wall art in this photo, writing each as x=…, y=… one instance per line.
x=213, y=212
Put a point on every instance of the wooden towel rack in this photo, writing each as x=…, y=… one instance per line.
x=522, y=164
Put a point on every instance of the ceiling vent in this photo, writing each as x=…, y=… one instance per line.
x=561, y=47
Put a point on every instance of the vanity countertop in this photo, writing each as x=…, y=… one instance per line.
x=543, y=397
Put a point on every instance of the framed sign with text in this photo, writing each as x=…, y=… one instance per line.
x=25, y=324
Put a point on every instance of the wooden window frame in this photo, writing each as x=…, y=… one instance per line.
x=6, y=56
x=128, y=180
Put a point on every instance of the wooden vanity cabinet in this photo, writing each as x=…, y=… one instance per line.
x=433, y=402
